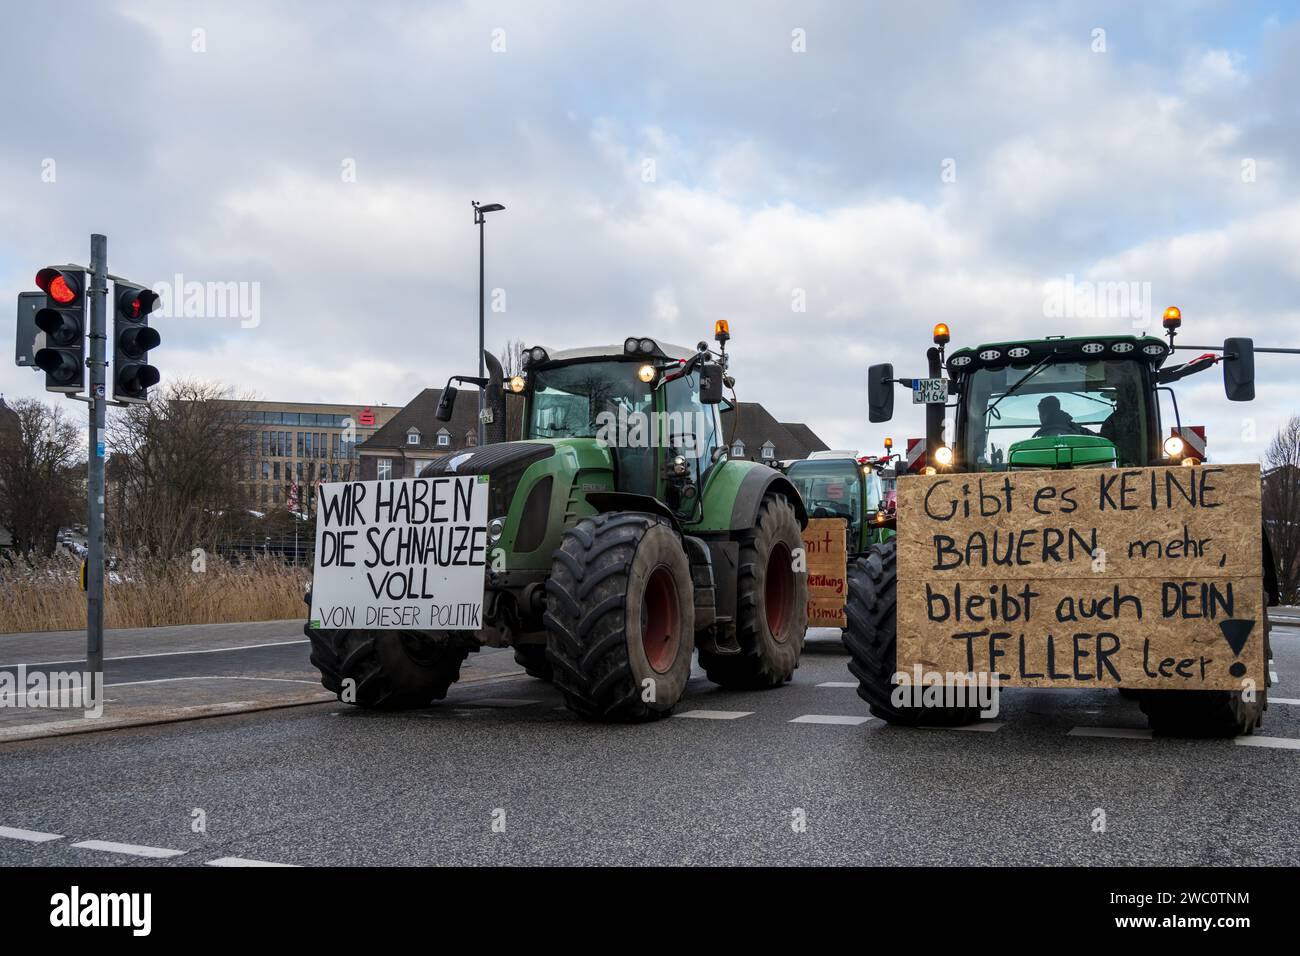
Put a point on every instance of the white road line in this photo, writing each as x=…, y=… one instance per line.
x=1284, y=700
x=715, y=714
x=839, y=683
x=129, y=849
x=168, y=680
x=830, y=719
x=500, y=702
x=983, y=726
x=240, y=861
x=1280, y=743
x=28, y=836
x=139, y=657
x=1126, y=733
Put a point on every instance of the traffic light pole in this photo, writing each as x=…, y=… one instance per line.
x=95, y=483
x=482, y=427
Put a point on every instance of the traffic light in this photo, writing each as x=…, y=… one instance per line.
x=132, y=340
x=62, y=317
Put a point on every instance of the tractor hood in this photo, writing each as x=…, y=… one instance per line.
x=1062, y=451
x=504, y=464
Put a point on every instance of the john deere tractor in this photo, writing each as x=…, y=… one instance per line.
x=1051, y=403
x=621, y=539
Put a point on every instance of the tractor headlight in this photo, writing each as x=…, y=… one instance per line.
x=517, y=384
x=494, y=529
x=1173, y=446
x=646, y=373
x=537, y=354
x=1191, y=460
x=647, y=346
x=943, y=456
x=679, y=467
x=630, y=346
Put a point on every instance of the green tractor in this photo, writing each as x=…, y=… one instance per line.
x=1050, y=403
x=846, y=486
x=621, y=539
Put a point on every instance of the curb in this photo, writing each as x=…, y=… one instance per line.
x=67, y=728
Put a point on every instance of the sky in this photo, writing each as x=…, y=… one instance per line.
x=831, y=178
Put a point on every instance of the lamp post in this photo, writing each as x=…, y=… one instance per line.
x=480, y=216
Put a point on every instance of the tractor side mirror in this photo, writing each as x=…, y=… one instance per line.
x=710, y=384
x=1239, y=369
x=446, y=402
x=880, y=392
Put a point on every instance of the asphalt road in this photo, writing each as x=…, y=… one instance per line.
x=733, y=778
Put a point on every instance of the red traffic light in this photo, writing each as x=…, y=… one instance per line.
x=60, y=286
x=136, y=303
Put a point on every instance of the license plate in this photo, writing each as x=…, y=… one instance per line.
x=930, y=391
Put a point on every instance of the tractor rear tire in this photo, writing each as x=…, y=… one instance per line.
x=620, y=617
x=1207, y=713
x=872, y=641
x=388, y=670
x=771, y=605
x=532, y=658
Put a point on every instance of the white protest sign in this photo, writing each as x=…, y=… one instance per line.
x=408, y=554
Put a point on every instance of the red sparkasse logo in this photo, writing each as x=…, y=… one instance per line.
x=367, y=417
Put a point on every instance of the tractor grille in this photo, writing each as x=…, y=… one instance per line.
x=503, y=463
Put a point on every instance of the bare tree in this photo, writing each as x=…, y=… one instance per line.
x=1282, y=506
x=40, y=486
x=512, y=359
x=175, y=480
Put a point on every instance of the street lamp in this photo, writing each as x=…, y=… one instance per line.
x=480, y=216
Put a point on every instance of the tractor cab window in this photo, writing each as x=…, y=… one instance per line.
x=832, y=489
x=575, y=401
x=1106, y=398
x=690, y=427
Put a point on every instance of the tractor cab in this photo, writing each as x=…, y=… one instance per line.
x=1058, y=402
x=842, y=487
x=653, y=405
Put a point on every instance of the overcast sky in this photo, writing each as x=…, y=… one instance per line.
x=830, y=178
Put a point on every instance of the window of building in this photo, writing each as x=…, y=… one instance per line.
x=444, y=439
x=385, y=469
x=413, y=437
x=738, y=450
x=300, y=436
x=769, y=451
x=266, y=470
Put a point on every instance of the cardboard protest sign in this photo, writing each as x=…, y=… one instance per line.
x=408, y=553
x=1140, y=577
x=826, y=555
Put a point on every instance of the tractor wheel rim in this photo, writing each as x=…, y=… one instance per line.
x=660, y=619
x=778, y=590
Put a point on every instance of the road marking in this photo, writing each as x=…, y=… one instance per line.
x=1280, y=743
x=830, y=719
x=28, y=836
x=1272, y=676
x=716, y=714
x=983, y=726
x=1284, y=700
x=839, y=683
x=500, y=702
x=168, y=680
x=138, y=657
x=240, y=861
x=1125, y=733
x=130, y=849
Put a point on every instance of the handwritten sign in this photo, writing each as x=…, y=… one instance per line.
x=1105, y=577
x=406, y=554
x=825, y=551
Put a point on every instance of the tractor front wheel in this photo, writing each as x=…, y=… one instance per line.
x=387, y=670
x=771, y=605
x=872, y=641
x=620, y=617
